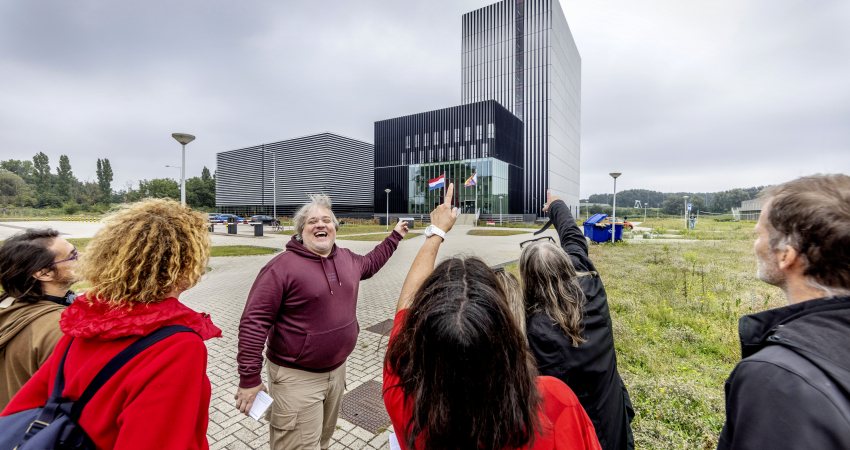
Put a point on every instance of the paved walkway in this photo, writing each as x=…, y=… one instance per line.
x=223, y=292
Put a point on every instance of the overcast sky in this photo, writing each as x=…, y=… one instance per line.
x=677, y=95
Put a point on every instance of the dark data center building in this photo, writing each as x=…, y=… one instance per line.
x=480, y=138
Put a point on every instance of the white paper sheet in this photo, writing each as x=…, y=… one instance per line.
x=394, y=442
x=261, y=403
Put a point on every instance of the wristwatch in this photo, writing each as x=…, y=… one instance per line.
x=431, y=230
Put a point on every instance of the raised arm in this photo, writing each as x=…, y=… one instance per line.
x=442, y=217
x=372, y=262
x=571, y=237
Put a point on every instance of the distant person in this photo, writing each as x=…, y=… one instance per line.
x=304, y=304
x=569, y=326
x=36, y=274
x=791, y=390
x=458, y=374
x=138, y=264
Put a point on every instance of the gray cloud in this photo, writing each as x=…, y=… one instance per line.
x=676, y=95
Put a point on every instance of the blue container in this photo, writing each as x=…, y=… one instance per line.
x=598, y=232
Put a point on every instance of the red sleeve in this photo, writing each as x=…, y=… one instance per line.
x=35, y=392
x=169, y=405
x=573, y=429
x=259, y=315
x=393, y=395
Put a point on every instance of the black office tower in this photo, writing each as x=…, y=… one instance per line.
x=481, y=138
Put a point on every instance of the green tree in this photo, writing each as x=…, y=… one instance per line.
x=66, y=183
x=104, y=179
x=43, y=179
x=159, y=188
x=21, y=168
x=200, y=192
x=14, y=190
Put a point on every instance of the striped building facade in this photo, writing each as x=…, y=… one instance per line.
x=326, y=163
x=521, y=53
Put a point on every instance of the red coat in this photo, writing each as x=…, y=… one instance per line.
x=159, y=399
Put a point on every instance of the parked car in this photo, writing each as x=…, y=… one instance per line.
x=229, y=218
x=266, y=220
x=214, y=218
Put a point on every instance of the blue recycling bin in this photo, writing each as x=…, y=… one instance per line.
x=598, y=232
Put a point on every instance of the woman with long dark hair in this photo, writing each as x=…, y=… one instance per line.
x=458, y=373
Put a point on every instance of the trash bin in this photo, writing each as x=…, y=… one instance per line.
x=258, y=229
x=231, y=228
x=601, y=233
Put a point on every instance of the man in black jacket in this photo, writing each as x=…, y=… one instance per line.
x=791, y=390
x=589, y=369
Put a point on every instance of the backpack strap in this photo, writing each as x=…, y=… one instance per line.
x=118, y=362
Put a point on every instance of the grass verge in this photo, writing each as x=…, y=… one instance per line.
x=241, y=250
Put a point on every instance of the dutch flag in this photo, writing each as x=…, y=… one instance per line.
x=437, y=183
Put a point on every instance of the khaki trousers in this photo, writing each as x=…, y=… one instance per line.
x=306, y=405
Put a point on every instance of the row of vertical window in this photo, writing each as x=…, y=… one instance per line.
x=445, y=154
x=435, y=136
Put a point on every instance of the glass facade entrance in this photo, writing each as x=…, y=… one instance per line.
x=492, y=182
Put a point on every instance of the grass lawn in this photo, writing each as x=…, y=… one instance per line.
x=374, y=237
x=494, y=232
x=675, y=309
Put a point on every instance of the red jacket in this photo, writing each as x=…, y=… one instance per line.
x=159, y=399
x=565, y=425
x=305, y=306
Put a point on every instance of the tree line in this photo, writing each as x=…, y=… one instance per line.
x=674, y=203
x=25, y=183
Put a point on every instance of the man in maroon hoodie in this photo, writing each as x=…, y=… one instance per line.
x=304, y=304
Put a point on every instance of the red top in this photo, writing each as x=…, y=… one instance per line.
x=565, y=424
x=159, y=399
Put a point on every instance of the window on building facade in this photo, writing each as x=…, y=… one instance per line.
x=467, y=133
x=478, y=132
x=424, y=139
x=451, y=153
x=430, y=155
x=412, y=157
x=461, y=154
x=407, y=142
x=416, y=140
x=445, y=136
x=485, y=150
x=421, y=156
x=436, y=137
x=403, y=155
x=472, y=154
x=457, y=135
x=491, y=130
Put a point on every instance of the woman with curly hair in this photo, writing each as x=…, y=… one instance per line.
x=138, y=264
x=458, y=373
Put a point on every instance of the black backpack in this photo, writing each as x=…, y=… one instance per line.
x=54, y=425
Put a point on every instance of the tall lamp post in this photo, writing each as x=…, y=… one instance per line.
x=500, y=209
x=388, y=190
x=645, y=206
x=274, y=181
x=686, y=212
x=183, y=139
x=614, y=175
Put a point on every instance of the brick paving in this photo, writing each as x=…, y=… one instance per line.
x=223, y=292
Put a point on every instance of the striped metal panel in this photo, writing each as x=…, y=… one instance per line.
x=522, y=54
x=327, y=163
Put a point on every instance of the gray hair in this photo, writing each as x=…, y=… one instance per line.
x=316, y=201
x=550, y=285
x=513, y=294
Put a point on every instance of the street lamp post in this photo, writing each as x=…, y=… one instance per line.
x=274, y=180
x=614, y=175
x=183, y=139
x=388, y=190
x=500, y=209
x=686, y=212
x=645, y=206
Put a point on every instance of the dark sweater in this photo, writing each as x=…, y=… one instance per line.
x=305, y=306
x=590, y=369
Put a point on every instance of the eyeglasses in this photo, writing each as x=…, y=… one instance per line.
x=74, y=256
x=524, y=244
